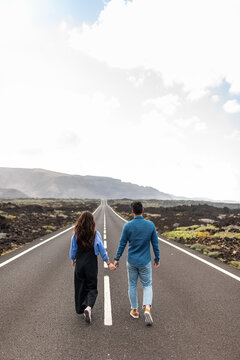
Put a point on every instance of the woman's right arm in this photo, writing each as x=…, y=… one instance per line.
x=101, y=248
x=73, y=248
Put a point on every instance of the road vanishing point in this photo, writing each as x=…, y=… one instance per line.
x=196, y=307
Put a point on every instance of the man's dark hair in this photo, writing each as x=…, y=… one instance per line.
x=137, y=207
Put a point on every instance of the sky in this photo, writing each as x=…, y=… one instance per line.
x=146, y=91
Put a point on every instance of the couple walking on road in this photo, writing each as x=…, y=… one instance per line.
x=86, y=244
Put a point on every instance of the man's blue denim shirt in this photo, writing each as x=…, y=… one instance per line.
x=139, y=233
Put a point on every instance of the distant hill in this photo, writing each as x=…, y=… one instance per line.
x=40, y=183
x=11, y=194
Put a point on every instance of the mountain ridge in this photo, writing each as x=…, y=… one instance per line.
x=42, y=183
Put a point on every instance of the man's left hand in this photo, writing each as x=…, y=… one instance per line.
x=156, y=264
x=116, y=263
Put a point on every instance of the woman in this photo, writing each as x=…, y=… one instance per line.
x=86, y=244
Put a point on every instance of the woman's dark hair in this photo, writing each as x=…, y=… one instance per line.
x=137, y=207
x=85, y=231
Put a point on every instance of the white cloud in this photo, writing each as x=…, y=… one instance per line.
x=174, y=38
x=15, y=24
x=234, y=135
x=166, y=104
x=136, y=80
x=193, y=122
x=232, y=106
x=63, y=26
x=215, y=98
x=52, y=120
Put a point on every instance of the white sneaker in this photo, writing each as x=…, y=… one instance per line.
x=87, y=314
x=148, y=318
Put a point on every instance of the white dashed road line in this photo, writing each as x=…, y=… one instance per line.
x=107, y=302
x=107, y=295
x=105, y=236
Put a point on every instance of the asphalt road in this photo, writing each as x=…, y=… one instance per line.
x=196, y=309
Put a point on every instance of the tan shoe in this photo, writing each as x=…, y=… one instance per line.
x=134, y=313
x=148, y=317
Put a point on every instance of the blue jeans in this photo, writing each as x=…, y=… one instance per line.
x=145, y=274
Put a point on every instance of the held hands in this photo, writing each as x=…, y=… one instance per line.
x=111, y=267
x=116, y=263
x=73, y=263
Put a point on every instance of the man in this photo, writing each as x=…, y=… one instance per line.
x=139, y=233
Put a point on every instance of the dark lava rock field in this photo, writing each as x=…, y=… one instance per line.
x=22, y=221
x=213, y=231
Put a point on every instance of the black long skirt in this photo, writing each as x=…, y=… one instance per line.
x=85, y=280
